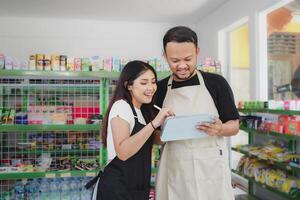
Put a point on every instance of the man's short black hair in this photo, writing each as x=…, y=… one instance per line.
x=180, y=34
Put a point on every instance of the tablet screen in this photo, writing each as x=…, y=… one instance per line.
x=183, y=127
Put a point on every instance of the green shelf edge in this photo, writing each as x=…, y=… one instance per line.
x=44, y=127
x=282, y=194
x=98, y=74
x=280, y=165
x=50, y=174
x=60, y=151
x=271, y=133
x=21, y=73
x=270, y=111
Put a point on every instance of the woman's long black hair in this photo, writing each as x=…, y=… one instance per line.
x=130, y=72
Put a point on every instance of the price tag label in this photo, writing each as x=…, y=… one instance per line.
x=63, y=175
x=90, y=174
x=50, y=175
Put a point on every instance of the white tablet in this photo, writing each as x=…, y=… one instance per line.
x=183, y=127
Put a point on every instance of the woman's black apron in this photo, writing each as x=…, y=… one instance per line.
x=130, y=179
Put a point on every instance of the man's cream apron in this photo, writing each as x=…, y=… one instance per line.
x=195, y=169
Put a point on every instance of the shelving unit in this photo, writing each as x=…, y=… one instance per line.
x=50, y=123
x=256, y=188
x=34, y=96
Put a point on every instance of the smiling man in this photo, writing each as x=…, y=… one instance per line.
x=197, y=168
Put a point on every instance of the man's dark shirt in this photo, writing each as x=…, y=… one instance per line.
x=218, y=88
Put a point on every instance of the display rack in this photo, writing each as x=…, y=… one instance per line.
x=50, y=131
x=261, y=190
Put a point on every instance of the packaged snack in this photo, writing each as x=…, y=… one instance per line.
x=47, y=63
x=40, y=62
x=70, y=64
x=55, y=62
x=63, y=62
x=32, y=62
x=2, y=61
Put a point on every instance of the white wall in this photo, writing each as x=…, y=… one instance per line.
x=226, y=15
x=20, y=37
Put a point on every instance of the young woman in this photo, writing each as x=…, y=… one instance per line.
x=128, y=134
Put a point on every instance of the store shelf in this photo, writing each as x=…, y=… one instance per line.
x=53, y=174
x=281, y=165
x=245, y=197
x=270, y=111
x=62, y=74
x=48, y=127
x=67, y=74
x=271, y=133
x=282, y=194
x=58, y=151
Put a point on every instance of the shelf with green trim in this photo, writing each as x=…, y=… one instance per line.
x=56, y=90
x=56, y=151
x=281, y=165
x=49, y=127
x=50, y=174
x=270, y=133
x=98, y=74
x=22, y=73
x=270, y=111
x=274, y=190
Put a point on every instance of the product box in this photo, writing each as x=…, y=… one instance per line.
x=70, y=64
x=40, y=62
x=96, y=63
x=123, y=63
x=293, y=128
x=55, y=62
x=85, y=64
x=47, y=63
x=116, y=65
x=2, y=61
x=63, y=62
x=32, y=62
x=108, y=64
x=85, y=112
x=77, y=64
x=8, y=63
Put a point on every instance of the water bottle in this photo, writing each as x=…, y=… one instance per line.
x=86, y=194
x=19, y=191
x=65, y=190
x=44, y=190
x=54, y=189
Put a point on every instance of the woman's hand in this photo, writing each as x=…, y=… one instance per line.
x=161, y=116
x=214, y=128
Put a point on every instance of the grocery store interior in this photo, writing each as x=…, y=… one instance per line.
x=60, y=61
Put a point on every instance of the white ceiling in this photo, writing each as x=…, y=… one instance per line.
x=174, y=11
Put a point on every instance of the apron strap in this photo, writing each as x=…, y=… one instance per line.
x=198, y=73
x=93, y=181
x=133, y=110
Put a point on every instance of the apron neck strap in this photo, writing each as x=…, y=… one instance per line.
x=133, y=110
x=170, y=81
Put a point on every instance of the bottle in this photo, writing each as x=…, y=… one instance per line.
x=65, y=190
x=44, y=190
x=19, y=191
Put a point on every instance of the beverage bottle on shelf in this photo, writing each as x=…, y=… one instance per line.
x=44, y=190
x=65, y=190
x=74, y=189
x=32, y=190
x=19, y=190
x=54, y=189
x=86, y=194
